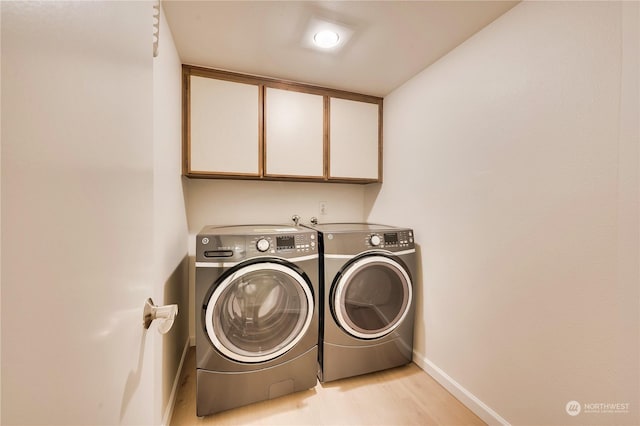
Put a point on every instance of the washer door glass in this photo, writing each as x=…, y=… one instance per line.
x=372, y=297
x=259, y=312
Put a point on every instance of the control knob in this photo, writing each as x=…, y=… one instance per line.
x=375, y=240
x=262, y=245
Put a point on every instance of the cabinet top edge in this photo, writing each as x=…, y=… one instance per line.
x=200, y=71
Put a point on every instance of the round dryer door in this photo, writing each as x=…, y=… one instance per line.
x=372, y=296
x=259, y=312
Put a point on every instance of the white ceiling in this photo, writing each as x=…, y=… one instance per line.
x=392, y=40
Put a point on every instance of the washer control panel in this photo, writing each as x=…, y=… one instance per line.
x=396, y=239
x=298, y=243
x=230, y=248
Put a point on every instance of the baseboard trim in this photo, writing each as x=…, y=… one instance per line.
x=166, y=419
x=481, y=409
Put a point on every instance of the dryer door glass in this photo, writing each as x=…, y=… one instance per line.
x=259, y=312
x=372, y=297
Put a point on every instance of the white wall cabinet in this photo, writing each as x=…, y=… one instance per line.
x=224, y=127
x=237, y=126
x=294, y=133
x=354, y=148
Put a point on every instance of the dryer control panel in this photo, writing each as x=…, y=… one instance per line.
x=348, y=239
x=388, y=240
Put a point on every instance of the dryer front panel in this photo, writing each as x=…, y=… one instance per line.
x=371, y=296
x=259, y=311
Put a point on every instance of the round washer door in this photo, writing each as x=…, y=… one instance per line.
x=372, y=297
x=259, y=312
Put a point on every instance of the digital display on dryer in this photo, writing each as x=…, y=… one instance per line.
x=391, y=238
x=285, y=242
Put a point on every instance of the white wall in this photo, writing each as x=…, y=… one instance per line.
x=515, y=158
x=170, y=221
x=226, y=202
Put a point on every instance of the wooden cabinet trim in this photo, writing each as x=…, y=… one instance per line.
x=221, y=75
x=186, y=122
x=380, y=145
x=286, y=178
x=262, y=160
x=326, y=151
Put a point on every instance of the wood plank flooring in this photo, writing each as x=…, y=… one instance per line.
x=400, y=396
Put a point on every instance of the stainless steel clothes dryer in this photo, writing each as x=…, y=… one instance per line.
x=256, y=314
x=367, y=274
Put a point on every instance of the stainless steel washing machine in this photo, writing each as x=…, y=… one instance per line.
x=367, y=280
x=257, y=314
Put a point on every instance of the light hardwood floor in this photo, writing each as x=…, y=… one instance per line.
x=400, y=396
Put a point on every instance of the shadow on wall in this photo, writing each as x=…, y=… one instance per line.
x=174, y=343
x=185, y=198
x=418, y=296
x=133, y=379
x=371, y=193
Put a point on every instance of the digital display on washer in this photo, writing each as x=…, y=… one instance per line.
x=285, y=242
x=391, y=238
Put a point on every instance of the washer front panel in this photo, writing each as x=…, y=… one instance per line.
x=372, y=297
x=259, y=312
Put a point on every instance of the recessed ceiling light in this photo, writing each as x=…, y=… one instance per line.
x=326, y=39
x=326, y=35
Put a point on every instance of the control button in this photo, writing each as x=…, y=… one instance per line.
x=262, y=245
x=375, y=240
x=313, y=237
x=313, y=244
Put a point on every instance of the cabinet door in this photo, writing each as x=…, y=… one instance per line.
x=294, y=133
x=224, y=126
x=354, y=142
